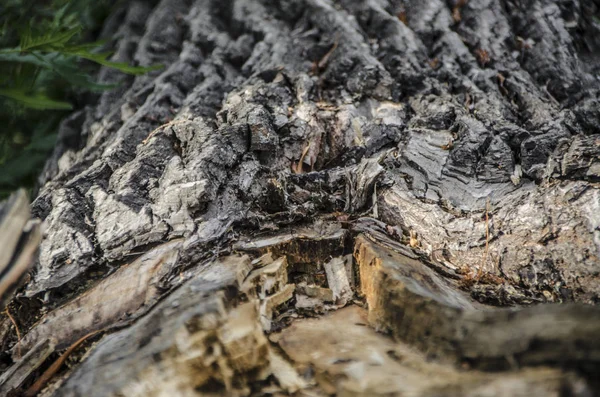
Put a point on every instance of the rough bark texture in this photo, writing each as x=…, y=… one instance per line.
x=432, y=165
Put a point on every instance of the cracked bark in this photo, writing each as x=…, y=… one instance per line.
x=413, y=181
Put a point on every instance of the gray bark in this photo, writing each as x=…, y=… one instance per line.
x=413, y=181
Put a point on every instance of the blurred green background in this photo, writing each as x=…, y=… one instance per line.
x=48, y=57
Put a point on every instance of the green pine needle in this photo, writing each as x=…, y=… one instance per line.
x=49, y=41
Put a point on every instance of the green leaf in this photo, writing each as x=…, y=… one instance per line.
x=100, y=58
x=24, y=164
x=84, y=47
x=49, y=41
x=42, y=142
x=67, y=68
x=64, y=66
x=41, y=65
x=34, y=101
x=14, y=56
x=75, y=75
x=59, y=16
x=4, y=28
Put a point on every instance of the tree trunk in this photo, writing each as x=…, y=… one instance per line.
x=324, y=197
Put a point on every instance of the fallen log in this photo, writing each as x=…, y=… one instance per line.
x=417, y=178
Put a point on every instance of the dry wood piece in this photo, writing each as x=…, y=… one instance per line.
x=303, y=248
x=286, y=375
x=314, y=291
x=14, y=214
x=51, y=371
x=417, y=306
x=349, y=358
x=337, y=279
x=269, y=285
x=213, y=348
x=270, y=303
x=120, y=298
x=19, y=241
x=14, y=378
x=266, y=280
x=243, y=340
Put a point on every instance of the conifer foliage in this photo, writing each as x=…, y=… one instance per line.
x=47, y=58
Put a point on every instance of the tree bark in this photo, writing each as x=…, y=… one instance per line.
x=324, y=197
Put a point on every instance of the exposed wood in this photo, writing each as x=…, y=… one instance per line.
x=337, y=279
x=352, y=359
x=417, y=306
x=19, y=239
x=51, y=371
x=15, y=377
x=115, y=300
